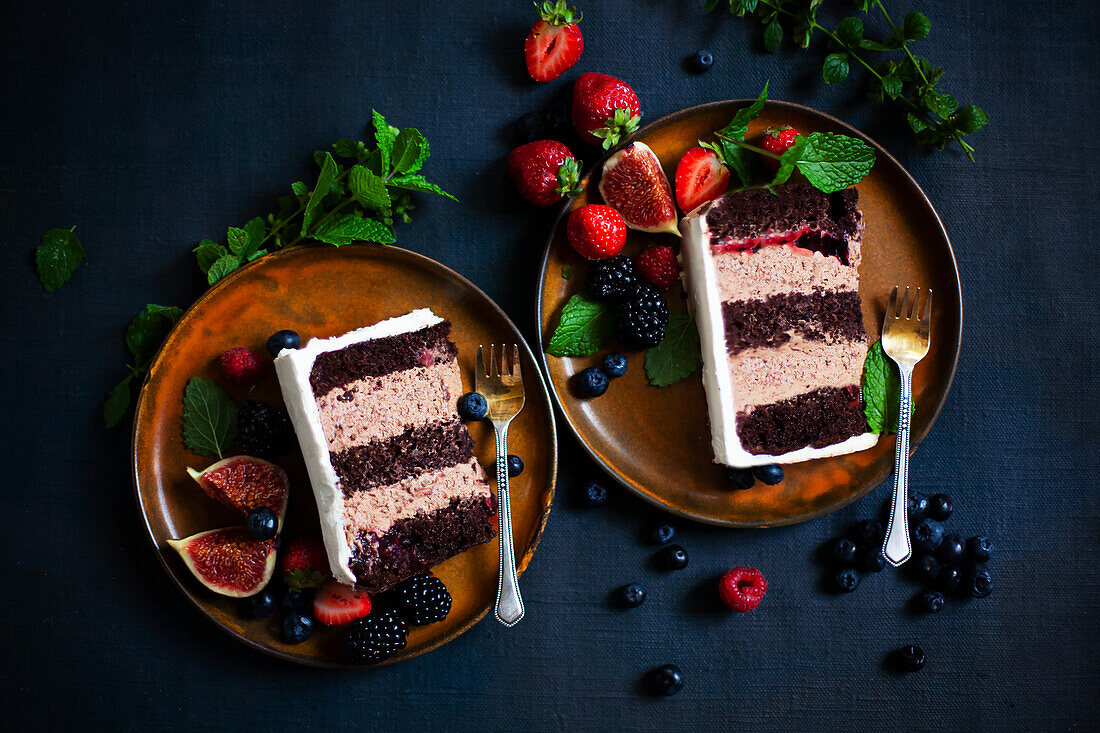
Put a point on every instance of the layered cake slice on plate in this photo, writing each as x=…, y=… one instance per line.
x=774, y=282
x=392, y=466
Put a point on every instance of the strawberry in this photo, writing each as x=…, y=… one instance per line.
x=777, y=140
x=554, y=42
x=658, y=265
x=700, y=177
x=241, y=365
x=596, y=231
x=305, y=563
x=604, y=108
x=337, y=604
x=544, y=171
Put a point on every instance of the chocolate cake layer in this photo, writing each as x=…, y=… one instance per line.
x=417, y=449
x=816, y=419
x=794, y=207
x=820, y=316
x=414, y=544
x=380, y=356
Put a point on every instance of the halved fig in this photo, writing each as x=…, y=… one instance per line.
x=229, y=561
x=245, y=483
x=634, y=184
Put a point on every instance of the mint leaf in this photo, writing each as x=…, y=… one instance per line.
x=325, y=180
x=850, y=31
x=346, y=148
x=773, y=36
x=916, y=26
x=789, y=161
x=117, y=403
x=207, y=253
x=410, y=149
x=299, y=189
x=345, y=228
x=678, y=355
x=237, y=240
x=737, y=158
x=970, y=118
x=209, y=418
x=941, y=104
x=881, y=391
x=835, y=69
x=417, y=183
x=257, y=230
x=384, y=136
x=566, y=272
x=830, y=162
x=222, y=267
x=57, y=258
x=148, y=329
x=739, y=125
x=368, y=189
x=585, y=326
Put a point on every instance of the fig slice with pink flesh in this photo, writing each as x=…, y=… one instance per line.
x=245, y=483
x=228, y=561
x=635, y=185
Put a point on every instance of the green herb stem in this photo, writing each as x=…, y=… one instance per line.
x=747, y=146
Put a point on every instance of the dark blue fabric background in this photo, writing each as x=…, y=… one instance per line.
x=150, y=126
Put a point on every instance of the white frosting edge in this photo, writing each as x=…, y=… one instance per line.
x=701, y=284
x=293, y=367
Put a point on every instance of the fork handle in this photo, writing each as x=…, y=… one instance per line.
x=897, y=547
x=509, y=606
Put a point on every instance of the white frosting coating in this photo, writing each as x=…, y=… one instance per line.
x=293, y=367
x=701, y=283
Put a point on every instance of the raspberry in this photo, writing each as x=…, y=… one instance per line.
x=376, y=637
x=265, y=432
x=241, y=365
x=643, y=318
x=742, y=589
x=423, y=599
x=613, y=278
x=658, y=265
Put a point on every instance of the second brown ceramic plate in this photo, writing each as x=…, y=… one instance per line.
x=320, y=292
x=656, y=441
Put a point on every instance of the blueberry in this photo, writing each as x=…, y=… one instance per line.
x=871, y=561
x=868, y=533
x=909, y=658
x=614, y=365
x=927, y=568
x=297, y=627
x=295, y=599
x=979, y=548
x=770, y=474
x=847, y=580
x=980, y=583
x=472, y=406
x=843, y=552
x=530, y=127
x=662, y=534
x=262, y=523
x=930, y=601
x=515, y=465
x=740, y=478
x=951, y=578
x=263, y=604
x=952, y=550
x=674, y=557
x=592, y=382
x=927, y=535
x=667, y=680
x=918, y=508
x=702, y=61
x=594, y=494
x=285, y=339
x=631, y=596
x=940, y=506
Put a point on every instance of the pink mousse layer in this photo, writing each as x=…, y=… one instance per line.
x=375, y=510
x=766, y=375
x=377, y=408
x=774, y=270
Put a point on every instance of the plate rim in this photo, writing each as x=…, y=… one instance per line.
x=539, y=326
x=193, y=596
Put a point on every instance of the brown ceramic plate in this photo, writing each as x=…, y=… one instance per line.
x=324, y=291
x=656, y=441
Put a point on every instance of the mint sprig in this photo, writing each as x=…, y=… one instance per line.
x=678, y=355
x=57, y=257
x=143, y=337
x=881, y=391
x=209, y=418
x=585, y=326
x=727, y=151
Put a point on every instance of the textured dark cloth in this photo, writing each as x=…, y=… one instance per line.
x=152, y=125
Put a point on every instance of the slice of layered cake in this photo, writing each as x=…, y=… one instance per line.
x=774, y=282
x=392, y=466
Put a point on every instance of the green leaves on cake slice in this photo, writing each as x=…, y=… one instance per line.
x=209, y=418
x=830, y=162
x=678, y=355
x=585, y=326
x=57, y=257
x=881, y=391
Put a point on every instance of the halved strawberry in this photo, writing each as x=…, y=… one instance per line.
x=554, y=42
x=337, y=604
x=700, y=177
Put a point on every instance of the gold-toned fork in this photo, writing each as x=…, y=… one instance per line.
x=503, y=391
x=905, y=338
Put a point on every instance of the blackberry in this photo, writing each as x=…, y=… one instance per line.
x=376, y=637
x=265, y=432
x=613, y=279
x=423, y=599
x=643, y=318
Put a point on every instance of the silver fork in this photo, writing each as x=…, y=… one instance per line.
x=504, y=394
x=905, y=340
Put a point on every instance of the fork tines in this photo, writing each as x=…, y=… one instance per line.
x=908, y=308
x=496, y=367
